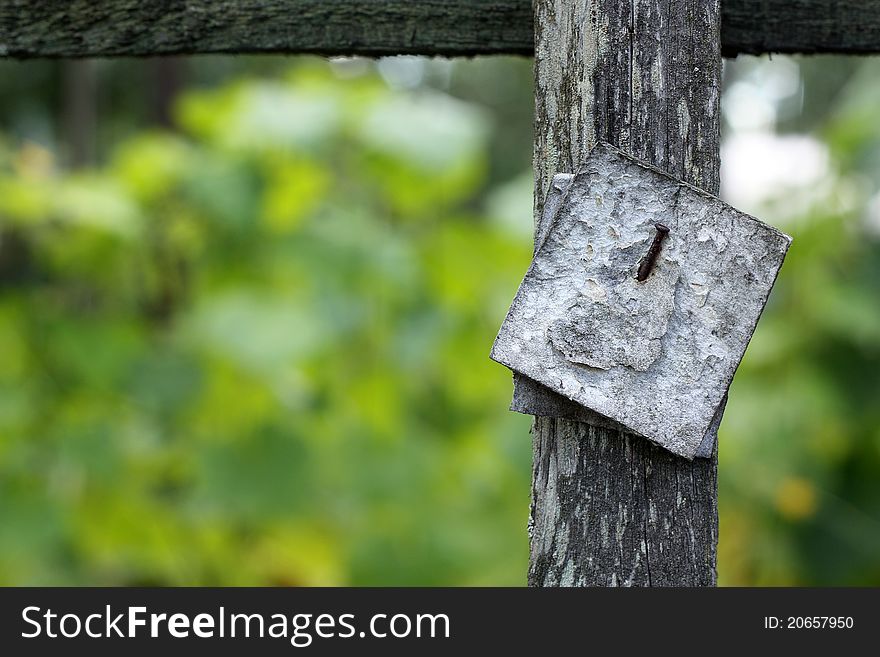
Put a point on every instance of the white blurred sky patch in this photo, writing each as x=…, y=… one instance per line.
x=872, y=217
x=776, y=177
x=760, y=168
x=408, y=72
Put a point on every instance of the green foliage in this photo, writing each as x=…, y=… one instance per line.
x=800, y=443
x=254, y=351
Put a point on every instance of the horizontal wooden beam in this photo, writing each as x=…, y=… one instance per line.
x=800, y=26
x=89, y=28
x=111, y=28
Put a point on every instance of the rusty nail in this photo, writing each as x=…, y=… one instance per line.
x=647, y=263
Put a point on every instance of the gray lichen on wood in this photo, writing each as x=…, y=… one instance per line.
x=609, y=508
x=656, y=355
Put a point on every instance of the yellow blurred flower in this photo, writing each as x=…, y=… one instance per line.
x=34, y=161
x=796, y=498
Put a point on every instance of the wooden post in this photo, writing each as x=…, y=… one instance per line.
x=610, y=509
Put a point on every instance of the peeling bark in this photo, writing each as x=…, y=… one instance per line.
x=609, y=508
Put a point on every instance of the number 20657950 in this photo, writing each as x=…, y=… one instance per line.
x=808, y=622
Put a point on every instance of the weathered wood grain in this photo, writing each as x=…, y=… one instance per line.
x=609, y=508
x=800, y=26
x=101, y=28
x=88, y=28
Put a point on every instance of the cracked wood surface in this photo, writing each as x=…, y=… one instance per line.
x=609, y=508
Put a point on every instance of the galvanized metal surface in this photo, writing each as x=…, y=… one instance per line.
x=655, y=356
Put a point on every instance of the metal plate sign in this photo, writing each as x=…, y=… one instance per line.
x=640, y=301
